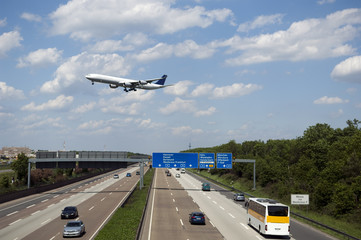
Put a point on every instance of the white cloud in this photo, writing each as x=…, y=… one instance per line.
x=3, y=22
x=203, y=89
x=348, y=70
x=192, y=49
x=129, y=43
x=84, y=108
x=10, y=93
x=235, y=90
x=8, y=41
x=321, y=2
x=132, y=109
x=101, y=19
x=185, y=131
x=54, y=104
x=31, y=17
x=186, y=106
x=148, y=124
x=42, y=122
x=330, y=100
x=71, y=73
x=187, y=48
x=260, y=21
x=91, y=125
x=179, y=88
x=179, y=105
x=208, y=112
x=128, y=104
x=159, y=51
x=40, y=57
x=303, y=40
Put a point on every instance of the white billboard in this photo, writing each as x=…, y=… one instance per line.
x=299, y=199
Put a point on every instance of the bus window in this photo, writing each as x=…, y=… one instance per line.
x=279, y=211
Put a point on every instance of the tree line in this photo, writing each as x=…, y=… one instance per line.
x=324, y=163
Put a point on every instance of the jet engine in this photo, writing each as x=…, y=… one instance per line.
x=142, y=82
x=113, y=86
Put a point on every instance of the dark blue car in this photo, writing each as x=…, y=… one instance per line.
x=197, y=218
x=69, y=212
x=129, y=174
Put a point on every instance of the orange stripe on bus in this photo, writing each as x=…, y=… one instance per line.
x=276, y=219
x=256, y=215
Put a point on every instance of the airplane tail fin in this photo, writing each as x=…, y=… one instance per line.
x=161, y=81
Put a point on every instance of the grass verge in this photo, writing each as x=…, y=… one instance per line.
x=125, y=221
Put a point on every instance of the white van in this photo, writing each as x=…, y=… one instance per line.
x=183, y=170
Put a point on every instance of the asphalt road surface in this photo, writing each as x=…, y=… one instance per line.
x=172, y=199
x=38, y=216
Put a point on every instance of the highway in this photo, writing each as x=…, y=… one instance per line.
x=38, y=216
x=168, y=212
x=172, y=199
x=170, y=202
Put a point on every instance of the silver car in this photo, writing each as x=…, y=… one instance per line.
x=238, y=197
x=74, y=229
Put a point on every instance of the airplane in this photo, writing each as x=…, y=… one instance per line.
x=128, y=84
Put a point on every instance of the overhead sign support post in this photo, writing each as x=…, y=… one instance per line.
x=254, y=168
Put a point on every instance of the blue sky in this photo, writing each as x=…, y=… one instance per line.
x=242, y=70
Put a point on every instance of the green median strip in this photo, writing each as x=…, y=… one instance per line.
x=125, y=221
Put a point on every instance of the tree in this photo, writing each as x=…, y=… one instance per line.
x=343, y=199
x=20, y=166
x=4, y=182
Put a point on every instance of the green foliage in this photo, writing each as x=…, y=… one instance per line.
x=20, y=166
x=5, y=181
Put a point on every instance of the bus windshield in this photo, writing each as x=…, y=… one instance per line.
x=279, y=211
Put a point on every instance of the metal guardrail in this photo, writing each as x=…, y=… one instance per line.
x=293, y=213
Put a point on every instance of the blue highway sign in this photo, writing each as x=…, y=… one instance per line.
x=206, y=160
x=175, y=160
x=224, y=160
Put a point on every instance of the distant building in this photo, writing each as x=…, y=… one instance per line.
x=12, y=152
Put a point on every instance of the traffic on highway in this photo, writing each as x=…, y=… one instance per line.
x=179, y=207
x=39, y=216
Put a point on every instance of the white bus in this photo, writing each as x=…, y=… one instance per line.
x=268, y=216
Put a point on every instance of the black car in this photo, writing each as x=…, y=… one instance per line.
x=69, y=212
x=169, y=174
x=197, y=218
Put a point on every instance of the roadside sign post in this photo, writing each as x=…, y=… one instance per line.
x=300, y=199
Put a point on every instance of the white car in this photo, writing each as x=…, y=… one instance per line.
x=177, y=175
